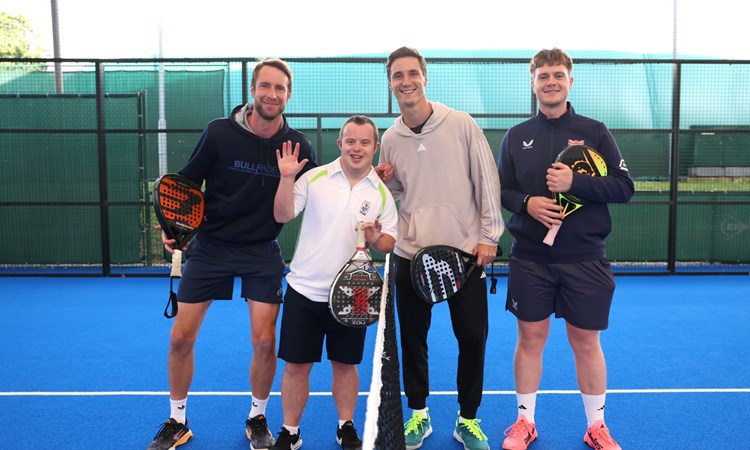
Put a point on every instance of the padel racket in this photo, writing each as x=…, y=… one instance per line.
x=179, y=207
x=355, y=294
x=584, y=160
x=439, y=271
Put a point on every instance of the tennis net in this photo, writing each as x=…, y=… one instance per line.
x=384, y=420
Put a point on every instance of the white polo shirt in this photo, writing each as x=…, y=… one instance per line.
x=328, y=237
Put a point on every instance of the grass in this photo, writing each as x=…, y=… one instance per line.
x=724, y=184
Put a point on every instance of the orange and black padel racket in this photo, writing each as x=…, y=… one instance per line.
x=179, y=207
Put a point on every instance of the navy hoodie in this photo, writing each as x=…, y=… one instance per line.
x=526, y=152
x=241, y=175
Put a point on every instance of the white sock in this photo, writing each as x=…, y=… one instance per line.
x=594, y=406
x=258, y=407
x=342, y=422
x=421, y=412
x=177, y=409
x=292, y=430
x=526, y=406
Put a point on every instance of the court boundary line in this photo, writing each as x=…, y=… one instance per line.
x=361, y=394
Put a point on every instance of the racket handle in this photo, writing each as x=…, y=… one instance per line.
x=360, y=237
x=550, y=238
x=176, y=264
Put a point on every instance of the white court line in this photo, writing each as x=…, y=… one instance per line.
x=363, y=394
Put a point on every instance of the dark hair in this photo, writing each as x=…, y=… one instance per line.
x=405, y=52
x=359, y=119
x=273, y=62
x=554, y=57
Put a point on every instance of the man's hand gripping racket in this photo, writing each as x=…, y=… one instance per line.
x=179, y=206
x=583, y=160
x=354, y=299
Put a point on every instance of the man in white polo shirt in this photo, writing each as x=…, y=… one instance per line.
x=336, y=198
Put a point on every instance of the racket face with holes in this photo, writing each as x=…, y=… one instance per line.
x=439, y=271
x=179, y=206
x=356, y=291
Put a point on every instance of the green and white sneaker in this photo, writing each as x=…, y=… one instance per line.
x=470, y=435
x=416, y=430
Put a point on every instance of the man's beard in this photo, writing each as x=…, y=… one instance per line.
x=258, y=108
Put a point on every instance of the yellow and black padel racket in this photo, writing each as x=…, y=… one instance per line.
x=581, y=159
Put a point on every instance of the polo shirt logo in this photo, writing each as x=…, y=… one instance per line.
x=364, y=207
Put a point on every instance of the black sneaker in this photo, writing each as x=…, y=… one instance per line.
x=258, y=432
x=287, y=441
x=347, y=437
x=171, y=434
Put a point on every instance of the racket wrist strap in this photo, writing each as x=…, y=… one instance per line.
x=171, y=303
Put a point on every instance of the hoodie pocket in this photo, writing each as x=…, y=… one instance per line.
x=437, y=225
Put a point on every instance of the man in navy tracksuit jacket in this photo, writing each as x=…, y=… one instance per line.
x=526, y=152
x=236, y=158
x=572, y=278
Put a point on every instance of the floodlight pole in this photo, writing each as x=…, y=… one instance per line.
x=56, y=46
x=674, y=29
x=162, y=124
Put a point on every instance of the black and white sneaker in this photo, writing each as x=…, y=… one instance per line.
x=287, y=441
x=258, y=432
x=171, y=434
x=347, y=437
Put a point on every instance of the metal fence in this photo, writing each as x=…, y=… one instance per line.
x=81, y=141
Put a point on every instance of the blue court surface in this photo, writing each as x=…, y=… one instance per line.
x=84, y=366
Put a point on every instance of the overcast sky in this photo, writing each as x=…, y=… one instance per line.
x=234, y=28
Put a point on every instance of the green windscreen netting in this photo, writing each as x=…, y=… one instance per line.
x=79, y=164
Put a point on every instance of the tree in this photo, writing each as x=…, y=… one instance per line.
x=17, y=38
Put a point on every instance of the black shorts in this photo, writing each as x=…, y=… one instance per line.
x=581, y=293
x=210, y=270
x=304, y=325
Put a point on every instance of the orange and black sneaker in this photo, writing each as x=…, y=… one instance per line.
x=598, y=437
x=256, y=429
x=519, y=435
x=171, y=434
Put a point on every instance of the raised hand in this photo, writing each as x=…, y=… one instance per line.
x=287, y=159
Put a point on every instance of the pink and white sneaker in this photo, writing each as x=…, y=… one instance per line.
x=519, y=435
x=598, y=437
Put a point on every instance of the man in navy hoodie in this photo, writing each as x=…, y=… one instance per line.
x=236, y=158
x=572, y=278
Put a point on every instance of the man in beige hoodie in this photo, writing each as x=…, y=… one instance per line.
x=437, y=162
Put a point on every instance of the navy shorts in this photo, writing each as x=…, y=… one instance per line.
x=581, y=293
x=304, y=325
x=210, y=270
